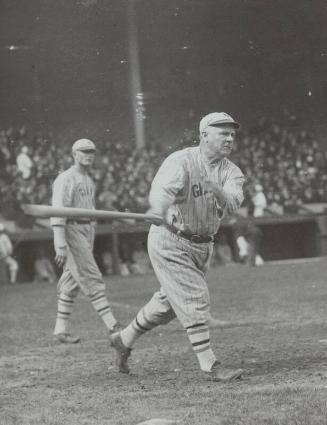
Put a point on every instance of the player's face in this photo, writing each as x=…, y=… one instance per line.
x=219, y=141
x=84, y=158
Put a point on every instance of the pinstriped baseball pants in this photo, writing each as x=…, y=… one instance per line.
x=180, y=267
x=80, y=270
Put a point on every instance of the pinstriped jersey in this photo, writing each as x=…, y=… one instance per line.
x=72, y=189
x=178, y=191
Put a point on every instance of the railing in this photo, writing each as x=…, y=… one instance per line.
x=283, y=237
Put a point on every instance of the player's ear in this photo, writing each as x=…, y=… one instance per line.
x=203, y=135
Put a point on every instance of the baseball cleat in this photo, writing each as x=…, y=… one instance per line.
x=122, y=352
x=221, y=374
x=67, y=338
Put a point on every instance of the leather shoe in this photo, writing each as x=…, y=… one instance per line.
x=221, y=374
x=122, y=352
x=67, y=338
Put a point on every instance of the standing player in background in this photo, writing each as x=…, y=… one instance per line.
x=192, y=191
x=6, y=251
x=73, y=242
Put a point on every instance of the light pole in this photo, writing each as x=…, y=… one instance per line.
x=137, y=95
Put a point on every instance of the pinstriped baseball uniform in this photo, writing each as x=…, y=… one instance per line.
x=179, y=181
x=192, y=191
x=180, y=264
x=74, y=189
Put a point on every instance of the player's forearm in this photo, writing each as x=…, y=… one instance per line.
x=59, y=236
x=234, y=202
x=58, y=221
x=229, y=202
x=160, y=201
x=233, y=192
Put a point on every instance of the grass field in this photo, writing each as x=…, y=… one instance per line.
x=280, y=340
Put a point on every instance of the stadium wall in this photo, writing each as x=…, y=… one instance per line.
x=285, y=237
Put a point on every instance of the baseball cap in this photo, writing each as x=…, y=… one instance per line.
x=83, y=145
x=217, y=118
x=2, y=227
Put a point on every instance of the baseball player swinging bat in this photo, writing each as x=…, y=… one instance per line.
x=46, y=211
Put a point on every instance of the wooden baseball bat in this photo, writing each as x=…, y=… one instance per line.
x=47, y=211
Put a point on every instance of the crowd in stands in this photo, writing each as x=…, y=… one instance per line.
x=284, y=164
x=30, y=164
x=285, y=159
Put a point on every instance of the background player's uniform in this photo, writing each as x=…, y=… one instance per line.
x=6, y=250
x=75, y=189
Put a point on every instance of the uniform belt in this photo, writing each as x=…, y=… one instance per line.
x=192, y=238
x=78, y=221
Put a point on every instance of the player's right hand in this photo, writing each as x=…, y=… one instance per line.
x=61, y=256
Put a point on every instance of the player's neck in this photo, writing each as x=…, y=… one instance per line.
x=208, y=156
x=81, y=168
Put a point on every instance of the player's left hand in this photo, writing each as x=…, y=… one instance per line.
x=61, y=256
x=217, y=191
x=210, y=186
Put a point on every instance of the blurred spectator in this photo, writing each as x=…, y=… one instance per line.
x=24, y=163
x=222, y=251
x=107, y=263
x=253, y=235
x=6, y=251
x=259, y=201
x=123, y=269
x=127, y=249
x=43, y=269
x=248, y=239
x=142, y=260
x=276, y=206
x=243, y=248
x=292, y=204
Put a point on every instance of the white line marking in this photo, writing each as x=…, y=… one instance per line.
x=297, y=260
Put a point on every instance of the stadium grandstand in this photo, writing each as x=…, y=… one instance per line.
x=138, y=90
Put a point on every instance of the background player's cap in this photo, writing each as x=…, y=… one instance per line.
x=2, y=227
x=83, y=145
x=217, y=118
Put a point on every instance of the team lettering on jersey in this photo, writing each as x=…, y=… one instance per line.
x=180, y=182
x=72, y=189
x=197, y=190
x=85, y=191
